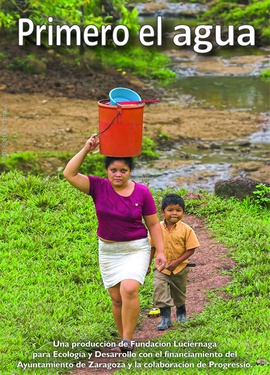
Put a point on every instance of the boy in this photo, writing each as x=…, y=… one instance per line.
x=180, y=243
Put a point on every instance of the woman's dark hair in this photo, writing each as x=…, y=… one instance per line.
x=172, y=199
x=127, y=160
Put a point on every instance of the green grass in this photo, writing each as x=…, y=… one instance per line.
x=51, y=290
x=144, y=62
x=37, y=162
x=265, y=75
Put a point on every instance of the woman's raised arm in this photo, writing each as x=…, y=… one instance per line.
x=71, y=172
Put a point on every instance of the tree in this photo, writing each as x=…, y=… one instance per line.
x=68, y=12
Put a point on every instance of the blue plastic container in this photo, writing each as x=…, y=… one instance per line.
x=121, y=94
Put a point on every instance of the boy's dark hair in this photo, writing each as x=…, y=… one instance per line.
x=172, y=199
x=127, y=160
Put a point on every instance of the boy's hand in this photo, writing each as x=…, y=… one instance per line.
x=172, y=265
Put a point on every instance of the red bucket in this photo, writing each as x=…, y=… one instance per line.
x=120, y=129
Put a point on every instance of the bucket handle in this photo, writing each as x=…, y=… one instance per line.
x=110, y=124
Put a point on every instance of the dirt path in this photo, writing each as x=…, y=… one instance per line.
x=40, y=123
x=211, y=258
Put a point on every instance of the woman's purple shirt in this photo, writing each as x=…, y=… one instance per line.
x=120, y=218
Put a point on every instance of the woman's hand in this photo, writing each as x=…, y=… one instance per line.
x=160, y=262
x=91, y=143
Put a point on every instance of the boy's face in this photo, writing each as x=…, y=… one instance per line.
x=173, y=213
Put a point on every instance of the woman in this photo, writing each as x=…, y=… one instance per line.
x=124, y=249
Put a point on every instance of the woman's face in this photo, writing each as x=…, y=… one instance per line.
x=118, y=173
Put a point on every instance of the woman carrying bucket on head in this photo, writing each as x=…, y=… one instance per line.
x=124, y=249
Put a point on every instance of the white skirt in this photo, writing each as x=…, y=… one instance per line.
x=123, y=260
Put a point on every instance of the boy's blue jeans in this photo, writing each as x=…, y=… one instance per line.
x=170, y=290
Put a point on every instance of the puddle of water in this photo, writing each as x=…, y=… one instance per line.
x=241, y=93
x=261, y=136
x=188, y=167
x=191, y=176
x=227, y=77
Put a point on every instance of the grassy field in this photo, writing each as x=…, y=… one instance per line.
x=53, y=304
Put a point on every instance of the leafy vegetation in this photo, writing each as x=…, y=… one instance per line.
x=265, y=75
x=144, y=62
x=262, y=194
x=69, y=12
x=51, y=289
x=233, y=12
x=149, y=149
